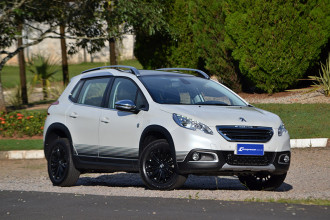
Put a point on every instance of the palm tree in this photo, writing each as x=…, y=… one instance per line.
x=43, y=68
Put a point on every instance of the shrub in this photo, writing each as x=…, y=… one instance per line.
x=22, y=123
x=265, y=45
x=173, y=46
x=276, y=41
x=44, y=69
x=195, y=40
x=323, y=81
x=209, y=32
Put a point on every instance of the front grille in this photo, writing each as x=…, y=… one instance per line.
x=245, y=133
x=243, y=160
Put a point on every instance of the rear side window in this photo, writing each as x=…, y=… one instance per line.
x=75, y=92
x=92, y=91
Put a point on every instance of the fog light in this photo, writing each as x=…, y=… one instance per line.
x=195, y=156
x=286, y=159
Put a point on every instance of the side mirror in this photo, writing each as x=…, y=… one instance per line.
x=126, y=105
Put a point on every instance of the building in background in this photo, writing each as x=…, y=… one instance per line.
x=52, y=47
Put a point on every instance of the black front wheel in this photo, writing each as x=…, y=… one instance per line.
x=61, y=169
x=157, y=167
x=262, y=181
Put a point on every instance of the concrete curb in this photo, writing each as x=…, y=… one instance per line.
x=39, y=154
x=22, y=154
x=303, y=143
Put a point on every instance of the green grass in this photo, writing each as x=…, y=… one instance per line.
x=307, y=201
x=12, y=144
x=10, y=74
x=303, y=120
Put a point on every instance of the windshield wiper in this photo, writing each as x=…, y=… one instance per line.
x=212, y=103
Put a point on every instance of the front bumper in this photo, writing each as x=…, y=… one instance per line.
x=213, y=162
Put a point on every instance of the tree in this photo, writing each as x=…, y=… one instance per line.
x=75, y=17
x=36, y=13
x=153, y=49
x=21, y=61
x=175, y=43
x=194, y=39
x=113, y=19
x=209, y=34
x=276, y=41
x=84, y=21
x=65, y=67
x=9, y=11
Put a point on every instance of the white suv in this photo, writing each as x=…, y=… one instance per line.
x=164, y=124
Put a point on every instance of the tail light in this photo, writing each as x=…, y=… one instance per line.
x=54, y=103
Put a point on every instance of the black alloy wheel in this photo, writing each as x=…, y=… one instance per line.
x=160, y=165
x=61, y=169
x=157, y=167
x=262, y=181
x=58, y=163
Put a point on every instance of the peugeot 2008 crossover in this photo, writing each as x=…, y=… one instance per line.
x=164, y=124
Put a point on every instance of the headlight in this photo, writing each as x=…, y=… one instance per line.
x=281, y=129
x=188, y=123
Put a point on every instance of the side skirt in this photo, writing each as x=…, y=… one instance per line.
x=107, y=165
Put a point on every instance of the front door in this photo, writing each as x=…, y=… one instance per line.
x=120, y=131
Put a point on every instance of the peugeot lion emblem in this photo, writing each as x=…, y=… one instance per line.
x=242, y=119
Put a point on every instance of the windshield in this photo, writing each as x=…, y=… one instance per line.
x=187, y=90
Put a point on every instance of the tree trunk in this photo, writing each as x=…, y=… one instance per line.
x=21, y=62
x=65, y=68
x=112, y=51
x=2, y=99
x=91, y=57
x=44, y=89
x=85, y=55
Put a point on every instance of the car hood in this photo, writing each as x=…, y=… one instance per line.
x=225, y=115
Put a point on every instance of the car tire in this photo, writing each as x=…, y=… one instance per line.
x=262, y=181
x=61, y=169
x=157, y=167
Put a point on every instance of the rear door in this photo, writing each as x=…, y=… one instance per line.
x=83, y=116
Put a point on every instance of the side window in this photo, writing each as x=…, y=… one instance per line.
x=75, y=92
x=126, y=89
x=141, y=102
x=92, y=91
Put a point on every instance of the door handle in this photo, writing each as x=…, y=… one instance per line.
x=105, y=120
x=73, y=115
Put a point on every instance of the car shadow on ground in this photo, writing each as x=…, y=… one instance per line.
x=193, y=182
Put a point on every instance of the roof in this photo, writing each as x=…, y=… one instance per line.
x=129, y=69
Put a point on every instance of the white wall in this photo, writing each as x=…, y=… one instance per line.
x=52, y=47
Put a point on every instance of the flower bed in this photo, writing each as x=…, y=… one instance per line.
x=23, y=123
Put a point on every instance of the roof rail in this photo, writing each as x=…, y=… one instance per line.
x=200, y=72
x=131, y=68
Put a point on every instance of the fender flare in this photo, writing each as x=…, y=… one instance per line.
x=161, y=130
x=59, y=129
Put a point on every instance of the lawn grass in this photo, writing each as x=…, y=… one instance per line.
x=10, y=74
x=303, y=120
x=12, y=144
